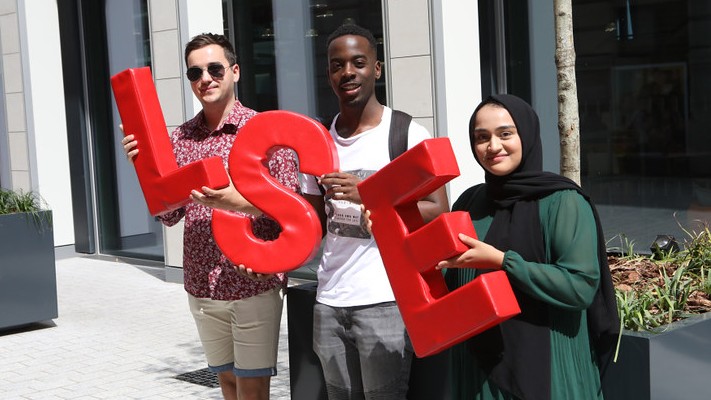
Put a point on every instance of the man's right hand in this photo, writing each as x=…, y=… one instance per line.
x=341, y=186
x=251, y=274
x=129, y=146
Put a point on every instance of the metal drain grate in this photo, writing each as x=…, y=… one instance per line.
x=203, y=377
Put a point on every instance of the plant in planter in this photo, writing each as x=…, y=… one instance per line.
x=28, y=286
x=663, y=302
x=14, y=202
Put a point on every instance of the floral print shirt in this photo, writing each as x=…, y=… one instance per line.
x=207, y=272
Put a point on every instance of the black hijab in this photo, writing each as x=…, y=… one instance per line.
x=517, y=352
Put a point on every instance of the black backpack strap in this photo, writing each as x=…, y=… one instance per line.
x=399, y=126
x=397, y=137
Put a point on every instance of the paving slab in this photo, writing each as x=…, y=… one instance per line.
x=122, y=333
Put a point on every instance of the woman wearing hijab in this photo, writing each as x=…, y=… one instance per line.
x=544, y=232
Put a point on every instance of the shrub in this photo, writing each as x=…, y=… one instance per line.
x=17, y=202
x=29, y=204
x=653, y=291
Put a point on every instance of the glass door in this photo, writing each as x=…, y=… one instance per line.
x=100, y=39
x=125, y=226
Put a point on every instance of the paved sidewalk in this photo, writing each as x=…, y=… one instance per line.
x=122, y=333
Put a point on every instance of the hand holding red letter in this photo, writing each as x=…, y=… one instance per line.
x=164, y=185
x=434, y=317
x=301, y=229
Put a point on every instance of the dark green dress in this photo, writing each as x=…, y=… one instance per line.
x=567, y=283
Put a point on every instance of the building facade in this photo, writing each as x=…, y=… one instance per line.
x=643, y=70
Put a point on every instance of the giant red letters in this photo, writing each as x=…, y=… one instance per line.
x=165, y=186
x=435, y=318
x=301, y=228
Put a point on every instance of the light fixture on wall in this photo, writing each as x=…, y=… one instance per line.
x=312, y=33
x=267, y=33
x=324, y=14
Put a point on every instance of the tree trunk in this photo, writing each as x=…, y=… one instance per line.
x=568, y=118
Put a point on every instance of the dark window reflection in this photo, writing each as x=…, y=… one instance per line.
x=281, y=46
x=282, y=50
x=643, y=84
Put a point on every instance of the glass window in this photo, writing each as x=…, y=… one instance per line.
x=504, y=48
x=281, y=49
x=642, y=75
x=100, y=39
x=133, y=232
x=643, y=83
x=115, y=38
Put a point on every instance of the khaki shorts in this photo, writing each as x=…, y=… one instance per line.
x=242, y=335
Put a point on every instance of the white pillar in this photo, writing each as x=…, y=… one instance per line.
x=196, y=17
x=44, y=109
x=458, y=82
x=192, y=18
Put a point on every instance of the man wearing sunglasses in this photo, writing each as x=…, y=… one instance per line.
x=237, y=312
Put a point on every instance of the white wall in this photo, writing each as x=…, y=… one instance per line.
x=457, y=82
x=44, y=108
x=16, y=158
x=197, y=17
x=408, y=59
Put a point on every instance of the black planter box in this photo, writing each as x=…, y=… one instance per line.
x=28, y=283
x=674, y=364
x=428, y=376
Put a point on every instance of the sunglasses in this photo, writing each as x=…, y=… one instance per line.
x=216, y=70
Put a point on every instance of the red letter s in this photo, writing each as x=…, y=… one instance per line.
x=301, y=229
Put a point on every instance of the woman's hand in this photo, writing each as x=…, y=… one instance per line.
x=480, y=255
